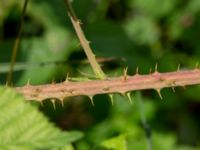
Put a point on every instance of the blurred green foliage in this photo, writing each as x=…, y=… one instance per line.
x=134, y=33
x=22, y=126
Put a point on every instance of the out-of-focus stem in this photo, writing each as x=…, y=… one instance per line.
x=16, y=44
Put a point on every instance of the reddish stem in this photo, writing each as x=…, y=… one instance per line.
x=122, y=85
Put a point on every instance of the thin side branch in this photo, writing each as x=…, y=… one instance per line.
x=84, y=42
x=16, y=44
x=156, y=81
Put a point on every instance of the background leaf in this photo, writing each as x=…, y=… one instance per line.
x=115, y=143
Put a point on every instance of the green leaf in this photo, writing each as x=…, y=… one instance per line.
x=22, y=126
x=116, y=143
x=154, y=8
x=142, y=30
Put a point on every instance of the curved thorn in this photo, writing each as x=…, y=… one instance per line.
x=129, y=97
x=184, y=87
x=156, y=67
x=67, y=77
x=89, y=42
x=111, y=98
x=122, y=94
x=125, y=74
x=53, y=103
x=137, y=71
x=159, y=93
x=79, y=22
x=62, y=102
x=91, y=100
x=173, y=89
